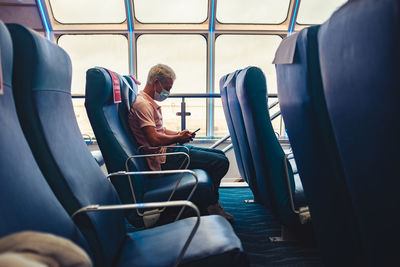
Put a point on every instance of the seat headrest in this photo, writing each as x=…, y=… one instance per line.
x=98, y=77
x=6, y=55
x=286, y=51
x=44, y=59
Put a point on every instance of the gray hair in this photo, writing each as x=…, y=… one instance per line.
x=160, y=72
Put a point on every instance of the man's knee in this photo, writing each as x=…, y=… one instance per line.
x=222, y=164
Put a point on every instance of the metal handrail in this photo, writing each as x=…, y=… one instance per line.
x=182, y=172
x=151, y=205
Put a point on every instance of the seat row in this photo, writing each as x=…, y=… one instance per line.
x=339, y=95
x=260, y=157
x=48, y=175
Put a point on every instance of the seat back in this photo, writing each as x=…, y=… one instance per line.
x=112, y=133
x=359, y=57
x=267, y=153
x=303, y=108
x=42, y=80
x=237, y=130
x=27, y=202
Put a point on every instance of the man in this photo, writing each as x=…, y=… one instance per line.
x=146, y=123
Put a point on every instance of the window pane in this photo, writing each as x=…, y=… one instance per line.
x=197, y=118
x=88, y=51
x=220, y=126
x=81, y=117
x=187, y=55
x=253, y=11
x=89, y=11
x=171, y=11
x=317, y=11
x=233, y=52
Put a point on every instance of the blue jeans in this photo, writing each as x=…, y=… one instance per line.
x=213, y=161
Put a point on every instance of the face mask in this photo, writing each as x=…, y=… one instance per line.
x=161, y=96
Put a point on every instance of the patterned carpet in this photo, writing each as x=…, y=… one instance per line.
x=254, y=224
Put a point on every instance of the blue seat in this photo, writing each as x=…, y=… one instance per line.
x=273, y=182
x=237, y=131
x=44, y=106
x=359, y=57
x=27, y=202
x=303, y=108
x=109, y=123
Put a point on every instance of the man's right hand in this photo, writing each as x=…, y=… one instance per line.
x=184, y=137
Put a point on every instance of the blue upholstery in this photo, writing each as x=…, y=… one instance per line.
x=303, y=108
x=98, y=157
x=26, y=200
x=76, y=178
x=267, y=153
x=45, y=110
x=359, y=57
x=109, y=123
x=234, y=119
x=215, y=233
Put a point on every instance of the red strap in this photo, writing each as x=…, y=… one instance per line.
x=133, y=78
x=116, y=86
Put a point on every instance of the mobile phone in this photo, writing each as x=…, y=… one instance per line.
x=196, y=131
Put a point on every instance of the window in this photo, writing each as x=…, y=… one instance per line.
x=317, y=11
x=171, y=11
x=186, y=54
x=88, y=51
x=233, y=52
x=88, y=11
x=252, y=12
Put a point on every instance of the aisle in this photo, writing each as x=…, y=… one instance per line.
x=254, y=223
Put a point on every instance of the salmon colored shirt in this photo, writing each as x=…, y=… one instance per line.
x=146, y=112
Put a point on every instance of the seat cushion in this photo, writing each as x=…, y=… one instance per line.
x=214, y=244
x=159, y=188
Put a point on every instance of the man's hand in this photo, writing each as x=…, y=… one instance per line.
x=185, y=136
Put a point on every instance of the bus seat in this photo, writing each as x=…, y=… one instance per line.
x=266, y=151
x=78, y=180
x=27, y=202
x=306, y=119
x=116, y=142
x=237, y=131
x=359, y=57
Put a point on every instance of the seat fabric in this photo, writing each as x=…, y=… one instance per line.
x=359, y=57
x=46, y=113
x=306, y=119
x=26, y=200
x=215, y=232
x=266, y=151
x=237, y=130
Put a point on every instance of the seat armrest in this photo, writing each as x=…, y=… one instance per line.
x=137, y=206
x=182, y=172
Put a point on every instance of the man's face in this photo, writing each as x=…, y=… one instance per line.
x=167, y=85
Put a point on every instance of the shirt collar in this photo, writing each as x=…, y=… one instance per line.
x=151, y=100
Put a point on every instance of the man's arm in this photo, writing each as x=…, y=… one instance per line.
x=159, y=139
x=170, y=132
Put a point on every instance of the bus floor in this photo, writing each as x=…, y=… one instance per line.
x=254, y=224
